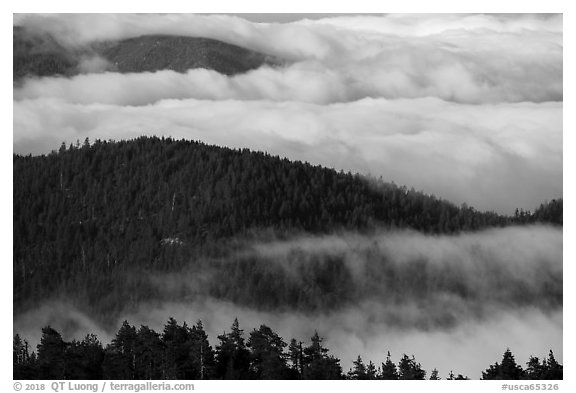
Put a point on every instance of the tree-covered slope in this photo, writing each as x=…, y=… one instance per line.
x=177, y=53
x=37, y=54
x=94, y=220
x=40, y=55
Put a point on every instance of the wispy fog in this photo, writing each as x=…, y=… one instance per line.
x=481, y=293
x=468, y=348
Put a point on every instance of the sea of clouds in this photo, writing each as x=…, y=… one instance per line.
x=468, y=107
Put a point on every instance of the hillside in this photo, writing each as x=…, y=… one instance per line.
x=37, y=55
x=42, y=55
x=99, y=218
x=164, y=52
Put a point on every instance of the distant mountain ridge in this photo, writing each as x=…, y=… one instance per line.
x=179, y=53
x=42, y=55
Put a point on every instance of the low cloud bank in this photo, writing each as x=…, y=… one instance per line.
x=468, y=107
x=510, y=296
x=470, y=59
x=326, y=38
x=495, y=157
x=400, y=279
x=468, y=348
x=451, y=78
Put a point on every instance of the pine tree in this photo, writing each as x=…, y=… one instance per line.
x=359, y=370
x=371, y=372
x=317, y=364
x=409, y=369
x=177, y=343
x=84, y=358
x=51, y=358
x=534, y=369
x=268, y=360
x=119, y=356
x=296, y=355
x=232, y=356
x=24, y=363
x=554, y=370
x=389, y=371
x=20, y=351
x=508, y=369
x=149, y=353
x=201, y=354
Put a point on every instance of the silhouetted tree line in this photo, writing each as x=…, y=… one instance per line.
x=91, y=216
x=184, y=352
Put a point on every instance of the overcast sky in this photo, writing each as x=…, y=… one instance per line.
x=468, y=107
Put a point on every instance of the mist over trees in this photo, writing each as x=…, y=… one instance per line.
x=141, y=229
x=184, y=352
x=38, y=55
x=112, y=225
x=97, y=215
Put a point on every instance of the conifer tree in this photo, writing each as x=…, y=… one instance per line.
x=371, y=372
x=389, y=370
x=149, y=354
x=317, y=364
x=508, y=369
x=296, y=355
x=201, y=354
x=554, y=370
x=51, y=355
x=119, y=356
x=408, y=368
x=268, y=360
x=358, y=371
x=232, y=356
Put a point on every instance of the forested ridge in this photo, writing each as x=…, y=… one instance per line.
x=94, y=220
x=38, y=55
x=184, y=352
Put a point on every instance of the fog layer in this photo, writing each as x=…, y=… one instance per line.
x=499, y=156
x=468, y=107
x=456, y=302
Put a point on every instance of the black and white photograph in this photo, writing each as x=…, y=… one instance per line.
x=288, y=196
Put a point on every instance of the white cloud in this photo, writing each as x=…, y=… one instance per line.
x=471, y=59
x=495, y=143
x=490, y=156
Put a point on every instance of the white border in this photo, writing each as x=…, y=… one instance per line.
x=301, y=6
